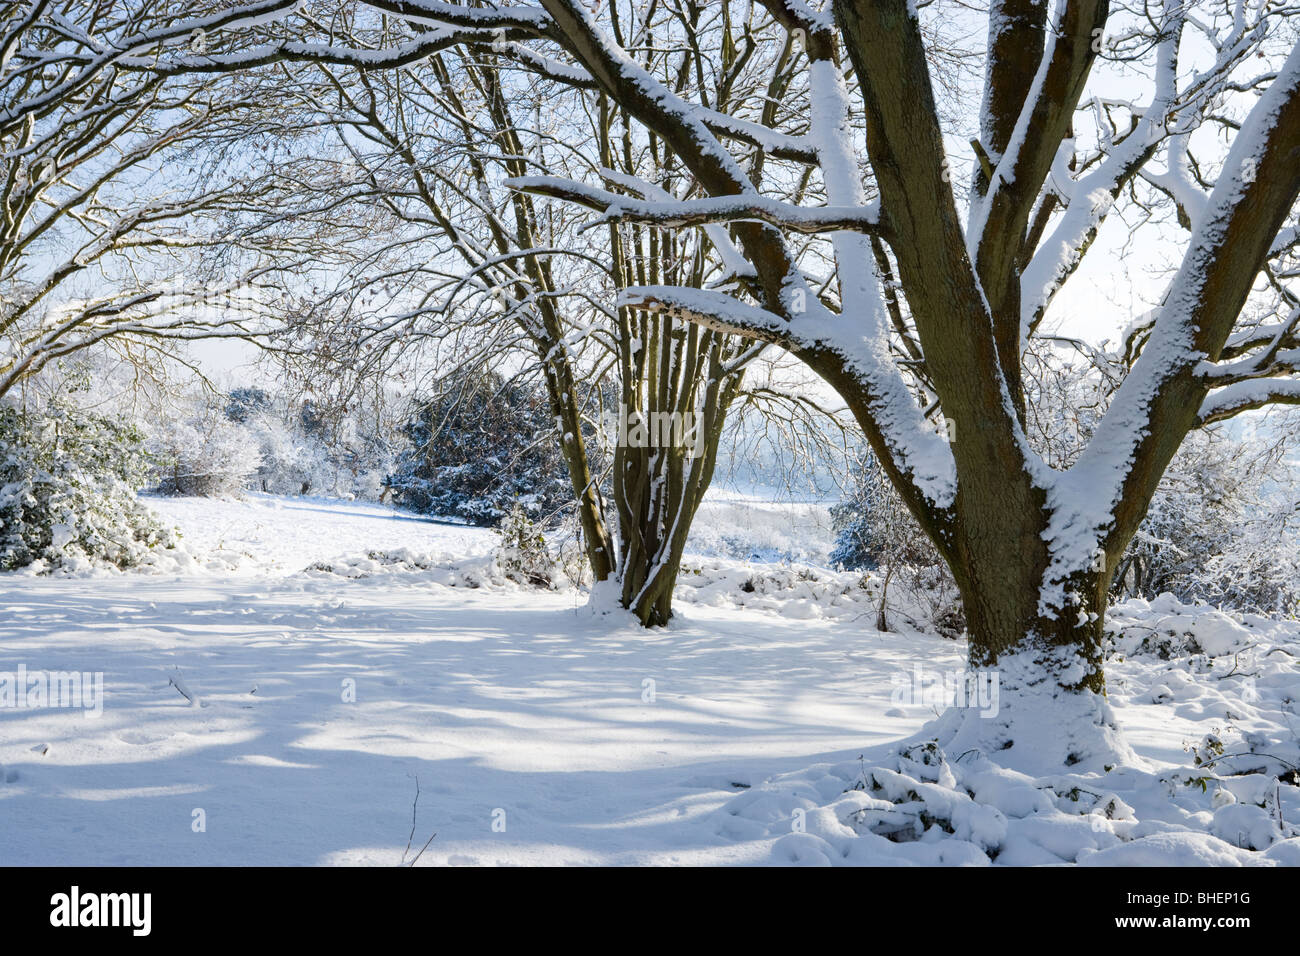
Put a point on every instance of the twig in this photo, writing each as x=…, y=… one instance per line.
x=422, y=849
x=414, y=806
x=175, y=681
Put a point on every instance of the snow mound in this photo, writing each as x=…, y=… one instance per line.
x=417, y=568
x=962, y=793
x=1168, y=628
x=804, y=592
x=918, y=806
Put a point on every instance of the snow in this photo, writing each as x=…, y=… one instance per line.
x=297, y=707
x=1252, y=392
x=271, y=535
x=736, y=525
x=716, y=208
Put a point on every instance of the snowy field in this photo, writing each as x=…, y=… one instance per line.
x=276, y=692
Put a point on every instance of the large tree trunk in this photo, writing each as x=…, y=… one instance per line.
x=1039, y=643
x=1049, y=707
x=1035, y=597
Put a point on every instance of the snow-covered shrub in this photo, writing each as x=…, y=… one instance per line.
x=203, y=454
x=245, y=402
x=304, y=450
x=257, y=441
x=872, y=525
x=1222, y=526
x=1217, y=531
x=875, y=532
x=67, y=490
x=354, y=460
x=478, y=448
x=522, y=554
x=289, y=463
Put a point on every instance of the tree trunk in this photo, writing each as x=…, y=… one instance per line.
x=562, y=393
x=1039, y=645
x=658, y=492
x=665, y=367
x=1048, y=706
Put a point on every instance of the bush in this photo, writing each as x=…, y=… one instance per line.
x=246, y=401
x=522, y=554
x=204, y=455
x=312, y=447
x=1217, y=531
x=251, y=439
x=290, y=463
x=480, y=447
x=875, y=532
x=67, y=490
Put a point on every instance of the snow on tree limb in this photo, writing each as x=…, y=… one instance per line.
x=99, y=56
x=1249, y=395
x=714, y=310
x=920, y=452
x=700, y=212
x=1089, y=199
x=489, y=16
x=296, y=51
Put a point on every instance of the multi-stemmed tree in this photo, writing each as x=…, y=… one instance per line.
x=454, y=255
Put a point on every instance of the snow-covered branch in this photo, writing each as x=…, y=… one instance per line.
x=701, y=212
x=1249, y=395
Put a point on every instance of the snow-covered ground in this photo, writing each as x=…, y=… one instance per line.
x=747, y=524
x=276, y=693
